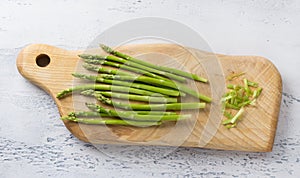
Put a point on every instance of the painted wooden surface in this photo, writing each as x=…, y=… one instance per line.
x=254, y=133
x=34, y=143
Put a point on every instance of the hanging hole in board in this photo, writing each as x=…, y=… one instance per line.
x=42, y=60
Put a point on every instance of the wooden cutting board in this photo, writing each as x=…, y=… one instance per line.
x=50, y=68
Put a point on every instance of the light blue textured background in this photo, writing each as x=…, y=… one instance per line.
x=35, y=143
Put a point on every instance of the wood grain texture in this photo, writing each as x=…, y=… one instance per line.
x=254, y=133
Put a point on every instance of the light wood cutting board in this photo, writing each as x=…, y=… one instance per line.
x=255, y=132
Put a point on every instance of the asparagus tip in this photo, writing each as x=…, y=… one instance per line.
x=87, y=92
x=89, y=105
x=106, y=48
x=75, y=74
x=72, y=114
x=60, y=95
x=84, y=56
x=69, y=118
x=78, y=75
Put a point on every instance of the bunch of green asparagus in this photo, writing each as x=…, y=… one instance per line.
x=128, y=78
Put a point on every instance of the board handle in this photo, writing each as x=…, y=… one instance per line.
x=47, y=66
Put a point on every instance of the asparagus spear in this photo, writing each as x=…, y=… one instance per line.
x=140, y=98
x=162, y=68
x=97, y=121
x=138, y=117
x=133, y=64
x=105, y=113
x=103, y=88
x=127, y=84
x=125, y=67
x=154, y=112
x=158, y=82
x=104, y=70
x=88, y=114
x=145, y=107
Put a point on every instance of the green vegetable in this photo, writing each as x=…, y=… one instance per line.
x=133, y=64
x=256, y=93
x=233, y=76
x=237, y=98
x=124, y=67
x=138, y=117
x=103, y=88
x=145, y=107
x=105, y=113
x=164, y=91
x=158, y=82
x=104, y=70
x=97, y=121
x=150, y=99
x=234, y=118
x=154, y=86
x=252, y=84
x=161, y=68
